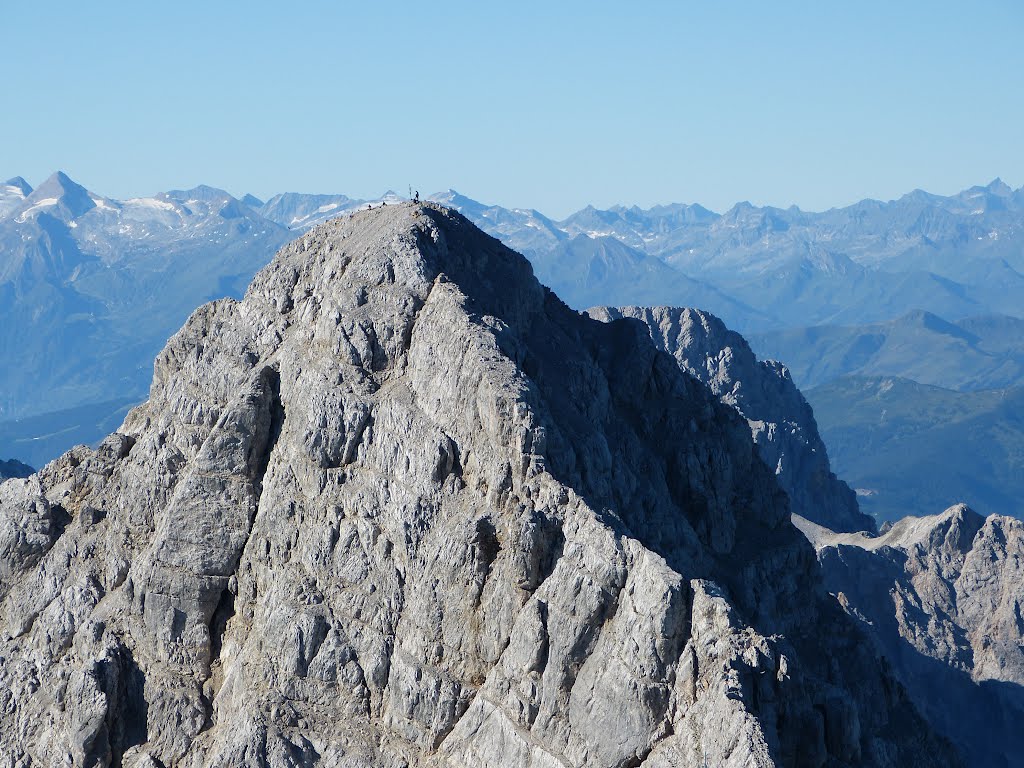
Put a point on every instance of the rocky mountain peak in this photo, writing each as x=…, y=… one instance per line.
x=401, y=506
x=60, y=196
x=19, y=184
x=941, y=597
x=999, y=187
x=12, y=194
x=780, y=420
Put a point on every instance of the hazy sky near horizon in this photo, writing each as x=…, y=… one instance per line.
x=545, y=105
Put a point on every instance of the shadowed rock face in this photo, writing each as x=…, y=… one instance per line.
x=780, y=419
x=400, y=506
x=14, y=468
x=942, y=596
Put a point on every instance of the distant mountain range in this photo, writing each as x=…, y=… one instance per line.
x=956, y=256
x=89, y=286
x=926, y=288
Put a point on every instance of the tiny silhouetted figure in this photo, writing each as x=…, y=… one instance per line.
x=417, y=198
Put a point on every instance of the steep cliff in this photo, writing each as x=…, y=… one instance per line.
x=780, y=419
x=400, y=506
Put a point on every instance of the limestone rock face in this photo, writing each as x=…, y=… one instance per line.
x=943, y=597
x=400, y=506
x=780, y=419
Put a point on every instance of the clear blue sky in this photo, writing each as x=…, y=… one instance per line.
x=552, y=105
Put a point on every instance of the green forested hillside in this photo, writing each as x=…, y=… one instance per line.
x=910, y=448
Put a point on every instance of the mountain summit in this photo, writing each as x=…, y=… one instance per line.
x=12, y=193
x=401, y=506
x=60, y=196
x=20, y=184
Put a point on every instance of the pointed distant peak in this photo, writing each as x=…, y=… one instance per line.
x=954, y=528
x=60, y=193
x=392, y=197
x=743, y=206
x=203, y=193
x=458, y=201
x=961, y=511
x=252, y=201
x=59, y=184
x=867, y=204
x=999, y=187
x=957, y=527
x=699, y=210
x=920, y=196
x=739, y=209
x=448, y=194
x=20, y=184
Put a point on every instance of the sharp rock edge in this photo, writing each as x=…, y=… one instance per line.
x=400, y=506
x=780, y=419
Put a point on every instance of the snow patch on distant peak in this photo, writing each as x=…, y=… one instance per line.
x=152, y=202
x=102, y=204
x=46, y=202
x=22, y=187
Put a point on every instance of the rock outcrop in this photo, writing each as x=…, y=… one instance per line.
x=780, y=419
x=943, y=597
x=401, y=506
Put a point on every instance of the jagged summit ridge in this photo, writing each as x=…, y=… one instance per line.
x=401, y=506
